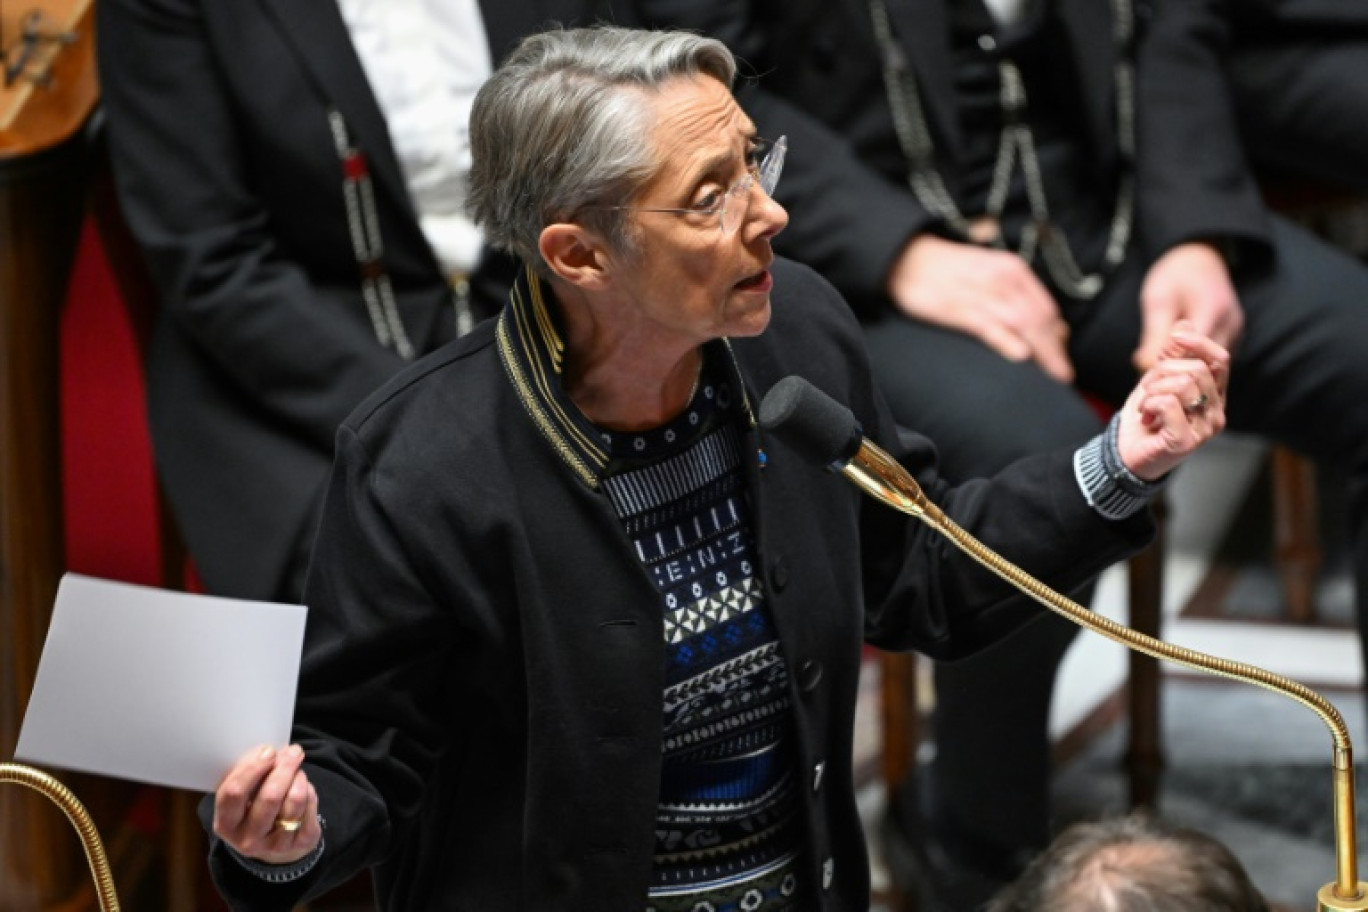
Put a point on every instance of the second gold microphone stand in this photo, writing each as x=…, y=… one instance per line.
x=41, y=782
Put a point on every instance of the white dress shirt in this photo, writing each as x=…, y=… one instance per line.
x=425, y=60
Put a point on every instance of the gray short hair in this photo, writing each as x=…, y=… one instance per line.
x=553, y=133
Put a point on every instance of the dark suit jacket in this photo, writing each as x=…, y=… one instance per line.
x=480, y=693
x=818, y=79
x=227, y=172
x=1297, y=72
x=1275, y=16
x=1202, y=96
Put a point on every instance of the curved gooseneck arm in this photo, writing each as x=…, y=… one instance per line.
x=62, y=796
x=879, y=475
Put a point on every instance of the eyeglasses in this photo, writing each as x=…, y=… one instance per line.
x=766, y=161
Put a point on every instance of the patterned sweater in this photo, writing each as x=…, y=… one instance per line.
x=727, y=825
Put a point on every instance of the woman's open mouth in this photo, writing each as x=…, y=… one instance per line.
x=761, y=281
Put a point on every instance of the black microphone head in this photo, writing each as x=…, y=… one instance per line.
x=810, y=421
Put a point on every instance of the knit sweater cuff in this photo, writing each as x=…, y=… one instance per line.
x=1109, y=487
x=281, y=873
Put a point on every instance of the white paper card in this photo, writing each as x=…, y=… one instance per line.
x=160, y=686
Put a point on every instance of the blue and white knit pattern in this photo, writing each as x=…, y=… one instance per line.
x=728, y=825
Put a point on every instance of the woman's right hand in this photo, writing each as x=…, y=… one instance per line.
x=263, y=788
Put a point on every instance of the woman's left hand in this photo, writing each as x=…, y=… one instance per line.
x=1178, y=405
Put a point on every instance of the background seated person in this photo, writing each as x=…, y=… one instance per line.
x=296, y=177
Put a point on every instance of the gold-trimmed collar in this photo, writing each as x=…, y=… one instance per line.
x=532, y=349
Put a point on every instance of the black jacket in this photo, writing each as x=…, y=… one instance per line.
x=229, y=178
x=1277, y=16
x=481, y=691
x=1204, y=94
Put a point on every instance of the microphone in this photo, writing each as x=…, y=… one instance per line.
x=827, y=433
x=810, y=421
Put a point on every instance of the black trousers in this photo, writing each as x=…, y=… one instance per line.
x=1299, y=376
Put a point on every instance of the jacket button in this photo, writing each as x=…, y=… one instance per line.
x=779, y=574
x=828, y=872
x=809, y=675
x=817, y=772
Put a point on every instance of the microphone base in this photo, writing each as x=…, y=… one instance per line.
x=1328, y=901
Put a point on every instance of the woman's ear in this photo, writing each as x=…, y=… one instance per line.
x=575, y=254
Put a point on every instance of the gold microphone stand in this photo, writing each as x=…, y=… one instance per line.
x=879, y=475
x=62, y=796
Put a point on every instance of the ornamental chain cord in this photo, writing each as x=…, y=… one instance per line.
x=1016, y=142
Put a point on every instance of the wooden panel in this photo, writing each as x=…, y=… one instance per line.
x=42, y=200
x=45, y=105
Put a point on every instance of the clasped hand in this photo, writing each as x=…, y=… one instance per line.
x=1178, y=405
